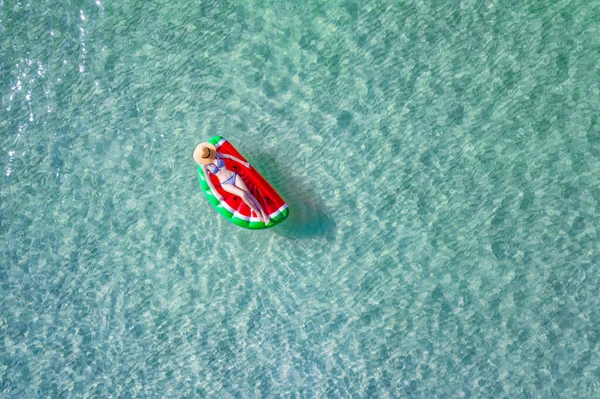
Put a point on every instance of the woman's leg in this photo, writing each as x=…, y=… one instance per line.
x=241, y=185
x=246, y=197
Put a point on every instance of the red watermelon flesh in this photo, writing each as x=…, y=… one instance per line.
x=257, y=185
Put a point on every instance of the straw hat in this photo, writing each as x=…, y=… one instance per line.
x=205, y=153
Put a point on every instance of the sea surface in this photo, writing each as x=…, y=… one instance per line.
x=441, y=162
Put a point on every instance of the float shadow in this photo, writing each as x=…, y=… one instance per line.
x=308, y=217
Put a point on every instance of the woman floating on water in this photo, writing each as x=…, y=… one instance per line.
x=207, y=156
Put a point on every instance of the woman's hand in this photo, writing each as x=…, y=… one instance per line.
x=246, y=164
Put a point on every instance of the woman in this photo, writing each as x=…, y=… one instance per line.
x=211, y=161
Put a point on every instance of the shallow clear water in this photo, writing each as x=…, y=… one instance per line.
x=441, y=161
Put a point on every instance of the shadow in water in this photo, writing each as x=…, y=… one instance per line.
x=307, y=218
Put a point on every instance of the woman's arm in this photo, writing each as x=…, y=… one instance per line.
x=246, y=164
x=214, y=192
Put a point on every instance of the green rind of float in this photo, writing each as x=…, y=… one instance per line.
x=215, y=140
x=225, y=212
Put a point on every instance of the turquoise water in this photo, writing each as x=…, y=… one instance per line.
x=441, y=161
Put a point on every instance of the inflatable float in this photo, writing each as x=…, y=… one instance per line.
x=231, y=206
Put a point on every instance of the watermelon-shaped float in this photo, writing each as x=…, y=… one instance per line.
x=233, y=207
